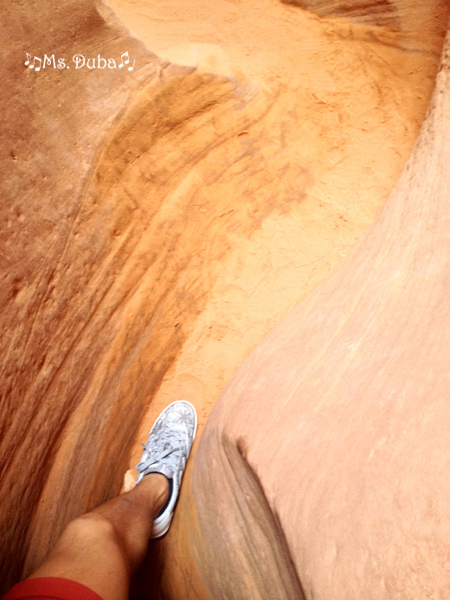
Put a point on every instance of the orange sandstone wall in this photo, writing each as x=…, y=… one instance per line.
x=398, y=15
x=157, y=222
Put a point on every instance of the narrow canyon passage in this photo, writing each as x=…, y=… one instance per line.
x=328, y=97
x=160, y=221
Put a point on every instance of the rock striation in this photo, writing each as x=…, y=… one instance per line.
x=330, y=446
x=397, y=15
x=169, y=195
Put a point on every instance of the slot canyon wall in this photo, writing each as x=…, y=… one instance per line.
x=160, y=219
x=330, y=444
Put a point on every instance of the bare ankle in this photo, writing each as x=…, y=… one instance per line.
x=156, y=486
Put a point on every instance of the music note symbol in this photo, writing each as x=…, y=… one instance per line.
x=126, y=61
x=131, y=68
x=33, y=66
x=28, y=59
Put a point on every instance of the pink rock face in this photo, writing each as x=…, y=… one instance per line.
x=330, y=446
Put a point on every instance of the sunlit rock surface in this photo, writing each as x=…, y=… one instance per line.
x=398, y=15
x=330, y=444
x=159, y=219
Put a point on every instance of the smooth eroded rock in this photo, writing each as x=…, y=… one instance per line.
x=325, y=458
x=158, y=220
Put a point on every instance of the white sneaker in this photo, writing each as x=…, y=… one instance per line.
x=166, y=451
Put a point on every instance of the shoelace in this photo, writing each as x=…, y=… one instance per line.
x=167, y=448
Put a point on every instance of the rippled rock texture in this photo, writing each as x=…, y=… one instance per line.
x=159, y=219
x=330, y=444
x=397, y=15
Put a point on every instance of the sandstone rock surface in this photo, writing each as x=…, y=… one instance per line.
x=330, y=444
x=397, y=15
x=158, y=222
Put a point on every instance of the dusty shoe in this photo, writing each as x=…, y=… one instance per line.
x=166, y=451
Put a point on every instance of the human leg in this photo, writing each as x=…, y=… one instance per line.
x=103, y=548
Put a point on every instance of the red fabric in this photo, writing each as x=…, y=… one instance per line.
x=50, y=588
